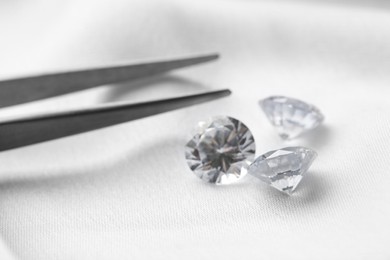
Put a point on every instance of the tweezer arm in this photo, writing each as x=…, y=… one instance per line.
x=29, y=131
x=18, y=91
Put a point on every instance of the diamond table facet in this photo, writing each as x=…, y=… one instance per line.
x=283, y=169
x=291, y=117
x=221, y=150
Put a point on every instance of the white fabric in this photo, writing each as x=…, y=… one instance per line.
x=126, y=192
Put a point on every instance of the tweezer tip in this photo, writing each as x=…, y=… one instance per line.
x=207, y=57
x=219, y=93
x=222, y=92
x=226, y=92
x=213, y=56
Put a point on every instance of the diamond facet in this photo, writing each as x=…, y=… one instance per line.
x=291, y=117
x=221, y=150
x=283, y=169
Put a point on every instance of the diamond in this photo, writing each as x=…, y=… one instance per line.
x=221, y=150
x=283, y=169
x=291, y=117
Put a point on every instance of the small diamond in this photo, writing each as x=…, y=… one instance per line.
x=221, y=150
x=291, y=117
x=283, y=169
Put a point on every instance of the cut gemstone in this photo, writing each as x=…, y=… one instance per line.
x=291, y=117
x=221, y=150
x=283, y=169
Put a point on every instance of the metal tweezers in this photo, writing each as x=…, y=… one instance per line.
x=29, y=130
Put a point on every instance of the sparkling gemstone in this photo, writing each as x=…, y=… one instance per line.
x=291, y=117
x=221, y=150
x=283, y=169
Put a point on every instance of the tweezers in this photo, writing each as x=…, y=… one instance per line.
x=30, y=130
